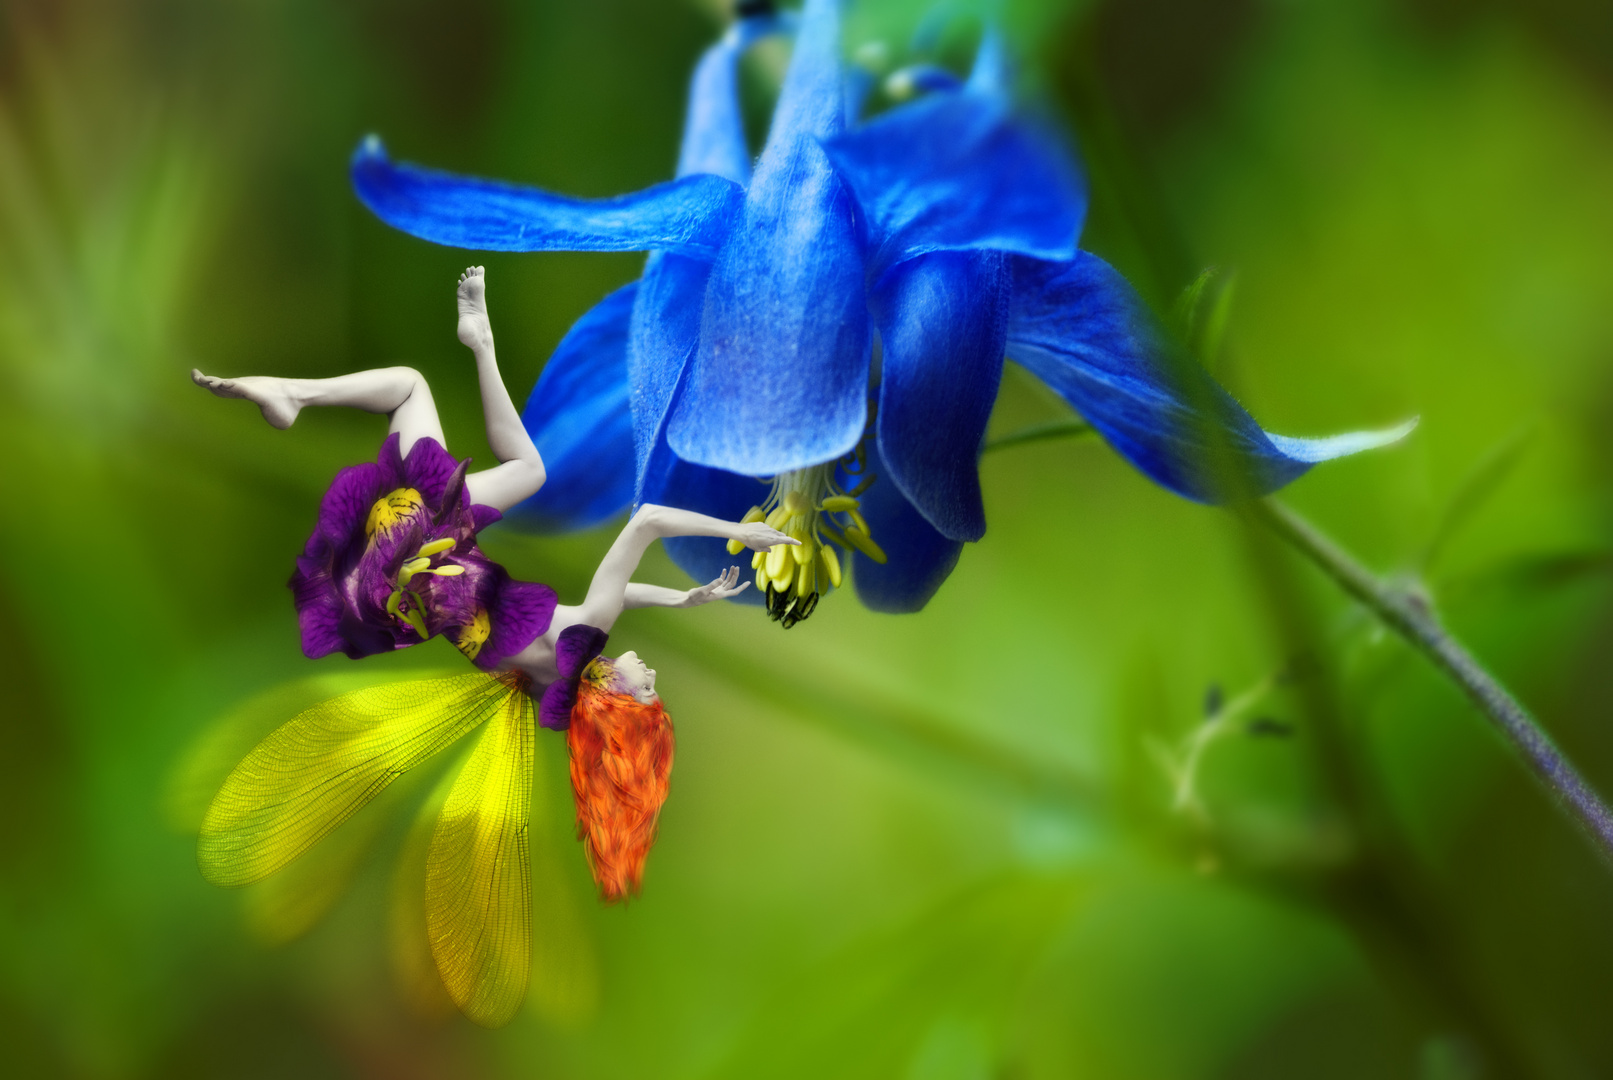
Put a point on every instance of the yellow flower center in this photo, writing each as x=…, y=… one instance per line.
x=392, y=509
x=473, y=634
x=810, y=506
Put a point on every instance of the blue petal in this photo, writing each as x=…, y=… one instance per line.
x=666, y=329
x=780, y=377
x=579, y=420
x=918, y=559
x=1079, y=327
x=713, y=129
x=992, y=73
x=691, y=216
x=705, y=491
x=860, y=83
x=666, y=319
x=959, y=171
x=943, y=320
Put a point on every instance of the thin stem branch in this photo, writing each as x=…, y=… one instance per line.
x=1053, y=429
x=1218, y=725
x=1409, y=615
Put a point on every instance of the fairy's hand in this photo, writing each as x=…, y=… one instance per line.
x=726, y=585
x=758, y=536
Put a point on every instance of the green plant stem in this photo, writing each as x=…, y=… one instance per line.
x=1408, y=614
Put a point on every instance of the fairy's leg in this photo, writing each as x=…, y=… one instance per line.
x=400, y=392
x=520, y=472
x=403, y=395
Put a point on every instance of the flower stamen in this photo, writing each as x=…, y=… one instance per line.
x=811, y=506
x=404, y=603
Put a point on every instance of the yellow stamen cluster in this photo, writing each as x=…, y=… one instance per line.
x=809, y=506
x=420, y=564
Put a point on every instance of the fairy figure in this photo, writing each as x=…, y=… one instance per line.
x=392, y=562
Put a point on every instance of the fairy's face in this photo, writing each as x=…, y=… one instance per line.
x=633, y=676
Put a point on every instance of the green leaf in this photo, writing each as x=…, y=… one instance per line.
x=1482, y=481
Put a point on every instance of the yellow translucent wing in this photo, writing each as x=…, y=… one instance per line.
x=286, y=905
x=565, y=967
x=217, y=748
x=479, y=876
x=292, y=900
x=412, y=962
x=317, y=770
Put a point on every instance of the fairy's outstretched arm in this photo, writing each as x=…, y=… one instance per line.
x=611, y=591
x=725, y=584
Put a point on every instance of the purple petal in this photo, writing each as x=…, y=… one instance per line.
x=346, y=504
x=554, y=707
x=575, y=648
x=429, y=469
x=520, y=613
x=390, y=459
x=319, y=610
x=453, y=504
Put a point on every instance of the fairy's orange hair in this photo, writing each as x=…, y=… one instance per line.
x=621, y=768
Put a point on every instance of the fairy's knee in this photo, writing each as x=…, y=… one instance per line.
x=415, y=415
x=412, y=381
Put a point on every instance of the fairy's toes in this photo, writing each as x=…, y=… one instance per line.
x=269, y=394
x=474, y=329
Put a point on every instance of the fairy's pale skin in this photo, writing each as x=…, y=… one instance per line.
x=402, y=394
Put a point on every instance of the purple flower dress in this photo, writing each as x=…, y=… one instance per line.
x=393, y=561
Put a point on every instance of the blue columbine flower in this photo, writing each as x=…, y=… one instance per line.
x=836, y=321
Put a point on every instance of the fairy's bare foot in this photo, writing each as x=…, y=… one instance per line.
x=474, y=329
x=269, y=394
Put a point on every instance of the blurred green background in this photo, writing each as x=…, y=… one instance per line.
x=938, y=846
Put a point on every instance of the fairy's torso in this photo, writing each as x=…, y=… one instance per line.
x=538, y=660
